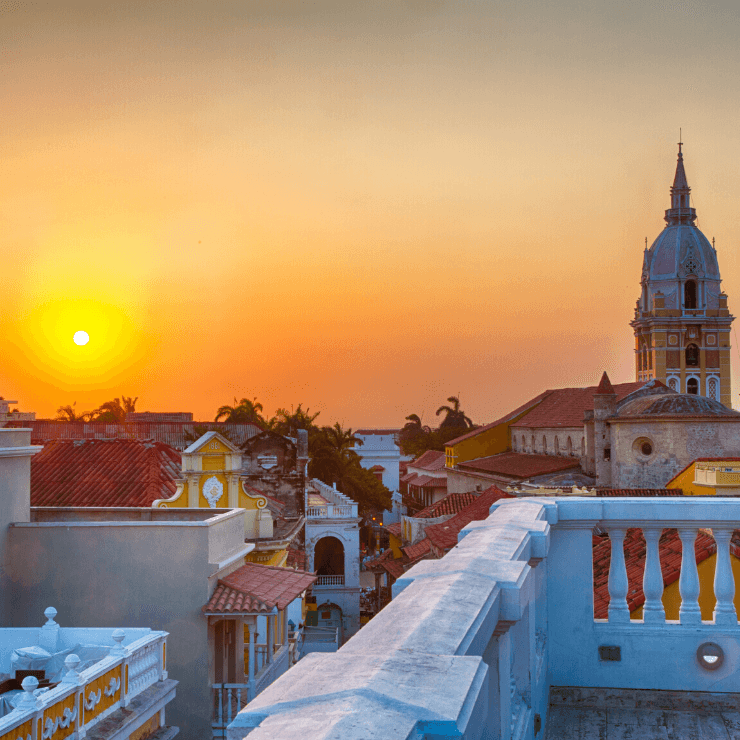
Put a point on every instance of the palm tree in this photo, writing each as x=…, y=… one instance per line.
x=454, y=416
x=69, y=413
x=288, y=422
x=242, y=412
x=115, y=411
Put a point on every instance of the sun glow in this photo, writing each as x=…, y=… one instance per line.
x=44, y=340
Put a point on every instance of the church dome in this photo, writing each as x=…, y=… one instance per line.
x=681, y=250
x=670, y=404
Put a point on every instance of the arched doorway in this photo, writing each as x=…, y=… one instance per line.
x=328, y=558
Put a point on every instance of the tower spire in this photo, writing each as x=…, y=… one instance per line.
x=680, y=211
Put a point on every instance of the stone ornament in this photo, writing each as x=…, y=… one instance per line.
x=213, y=489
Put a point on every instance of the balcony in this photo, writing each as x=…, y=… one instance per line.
x=337, y=506
x=486, y=641
x=87, y=676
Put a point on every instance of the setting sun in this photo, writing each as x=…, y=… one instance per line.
x=81, y=337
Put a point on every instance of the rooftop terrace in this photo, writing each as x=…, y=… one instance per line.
x=481, y=643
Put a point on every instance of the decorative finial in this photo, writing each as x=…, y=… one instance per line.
x=118, y=650
x=646, y=244
x=713, y=244
x=71, y=676
x=680, y=142
x=50, y=612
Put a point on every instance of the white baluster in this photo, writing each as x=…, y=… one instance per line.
x=618, y=609
x=220, y=704
x=228, y=706
x=688, y=583
x=724, y=582
x=72, y=676
x=652, y=579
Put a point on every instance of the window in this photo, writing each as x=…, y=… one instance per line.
x=689, y=294
x=534, y=446
x=544, y=445
x=692, y=356
x=673, y=384
x=646, y=448
x=583, y=447
x=692, y=386
x=524, y=444
x=712, y=389
x=569, y=444
x=607, y=453
x=557, y=446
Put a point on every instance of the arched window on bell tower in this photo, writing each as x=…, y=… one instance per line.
x=692, y=356
x=689, y=294
x=692, y=386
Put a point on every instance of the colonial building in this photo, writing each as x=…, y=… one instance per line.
x=682, y=323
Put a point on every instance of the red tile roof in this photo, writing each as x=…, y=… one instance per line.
x=258, y=588
x=443, y=536
x=520, y=464
x=452, y=503
x=512, y=415
x=408, y=477
x=669, y=549
x=417, y=551
x=639, y=492
x=119, y=472
x=296, y=557
x=168, y=432
x=395, y=529
x=376, y=469
x=430, y=460
x=428, y=481
x=565, y=407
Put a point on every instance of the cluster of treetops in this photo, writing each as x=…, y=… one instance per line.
x=332, y=458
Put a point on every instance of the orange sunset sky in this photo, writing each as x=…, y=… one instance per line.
x=364, y=207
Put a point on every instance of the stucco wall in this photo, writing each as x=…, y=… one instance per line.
x=15, y=504
x=129, y=575
x=675, y=444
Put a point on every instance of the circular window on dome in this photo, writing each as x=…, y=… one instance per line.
x=643, y=448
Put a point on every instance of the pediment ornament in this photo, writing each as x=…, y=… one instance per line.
x=213, y=489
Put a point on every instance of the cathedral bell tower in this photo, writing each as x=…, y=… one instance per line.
x=682, y=323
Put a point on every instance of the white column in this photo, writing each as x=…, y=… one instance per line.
x=652, y=580
x=724, y=582
x=252, y=665
x=270, y=636
x=688, y=583
x=285, y=627
x=618, y=609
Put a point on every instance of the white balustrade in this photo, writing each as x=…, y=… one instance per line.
x=329, y=581
x=724, y=582
x=80, y=691
x=228, y=700
x=618, y=585
x=652, y=580
x=688, y=583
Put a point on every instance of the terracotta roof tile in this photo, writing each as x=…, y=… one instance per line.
x=512, y=415
x=417, y=551
x=520, y=464
x=258, y=588
x=565, y=407
x=408, y=478
x=452, y=503
x=428, y=481
x=430, y=460
x=395, y=529
x=118, y=472
x=167, y=432
x=444, y=535
x=639, y=492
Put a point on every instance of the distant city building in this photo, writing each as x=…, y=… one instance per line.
x=682, y=323
x=380, y=453
x=159, y=416
x=7, y=414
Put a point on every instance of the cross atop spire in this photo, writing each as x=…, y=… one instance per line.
x=680, y=211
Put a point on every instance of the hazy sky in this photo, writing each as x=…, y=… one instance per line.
x=364, y=207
